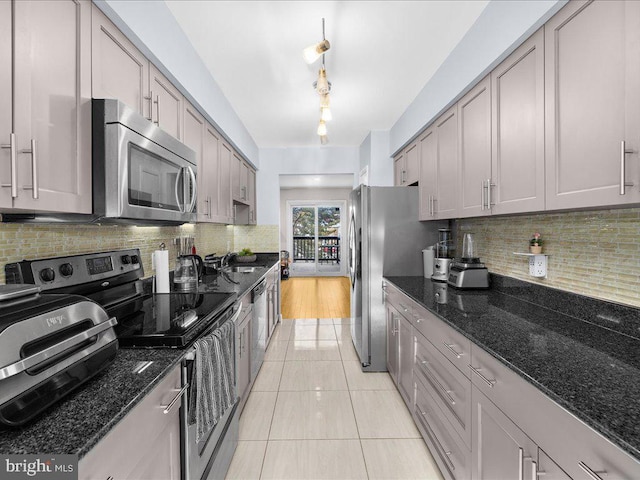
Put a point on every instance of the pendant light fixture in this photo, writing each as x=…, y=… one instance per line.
x=322, y=85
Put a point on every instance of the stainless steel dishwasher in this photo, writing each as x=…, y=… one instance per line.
x=258, y=327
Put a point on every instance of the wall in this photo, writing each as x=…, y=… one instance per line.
x=309, y=160
x=329, y=194
x=23, y=241
x=498, y=31
x=593, y=253
x=374, y=153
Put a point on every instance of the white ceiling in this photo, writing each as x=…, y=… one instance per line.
x=382, y=54
x=317, y=181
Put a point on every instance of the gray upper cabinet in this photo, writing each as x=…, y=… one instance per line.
x=7, y=143
x=592, y=87
x=208, y=176
x=406, y=166
x=517, y=176
x=428, y=191
x=119, y=70
x=474, y=134
x=251, y=195
x=398, y=170
x=52, y=106
x=194, y=134
x=446, y=205
x=226, y=164
x=166, y=102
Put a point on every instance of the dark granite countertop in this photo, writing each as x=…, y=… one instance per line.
x=75, y=424
x=583, y=353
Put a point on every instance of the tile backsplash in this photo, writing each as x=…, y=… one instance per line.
x=30, y=241
x=595, y=253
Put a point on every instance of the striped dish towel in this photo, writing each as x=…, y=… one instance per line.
x=212, y=387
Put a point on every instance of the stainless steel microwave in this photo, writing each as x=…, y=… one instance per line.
x=141, y=174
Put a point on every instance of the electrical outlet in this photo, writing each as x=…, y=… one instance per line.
x=538, y=266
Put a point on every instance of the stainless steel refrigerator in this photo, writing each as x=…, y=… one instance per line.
x=385, y=239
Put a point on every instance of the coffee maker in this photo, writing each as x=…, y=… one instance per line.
x=444, y=255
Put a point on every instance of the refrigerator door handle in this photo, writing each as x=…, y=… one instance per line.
x=352, y=250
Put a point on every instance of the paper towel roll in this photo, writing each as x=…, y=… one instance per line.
x=428, y=257
x=160, y=263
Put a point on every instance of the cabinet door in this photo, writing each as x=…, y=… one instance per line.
x=428, y=154
x=6, y=103
x=406, y=357
x=398, y=170
x=236, y=169
x=412, y=164
x=243, y=360
x=251, y=195
x=548, y=468
x=474, y=126
x=447, y=165
x=244, y=180
x=167, y=103
x=501, y=451
x=225, y=209
x=52, y=105
x=592, y=104
x=209, y=176
x=194, y=139
x=518, y=130
x=392, y=342
x=118, y=69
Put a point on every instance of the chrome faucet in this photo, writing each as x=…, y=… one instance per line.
x=225, y=260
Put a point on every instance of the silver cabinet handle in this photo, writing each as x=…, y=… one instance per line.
x=534, y=470
x=403, y=307
x=14, y=171
x=520, y=463
x=482, y=187
x=431, y=205
x=34, y=170
x=157, y=102
x=47, y=353
x=434, y=206
x=490, y=383
x=433, y=377
x=244, y=192
x=592, y=474
x=150, y=98
x=167, y=408
x=623, y=153
x=489, y=185
x=451, y=349
x=436, y=442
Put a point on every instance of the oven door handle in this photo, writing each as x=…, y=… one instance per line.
x=191, y=354
x=33, y=360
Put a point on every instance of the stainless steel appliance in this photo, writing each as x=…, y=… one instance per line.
x=385, y=238
x=49, y=346
x=187, y=273
x=140, y=172
x=258, y=327
x=468, y=271
x=444, y=254
x=166, y=320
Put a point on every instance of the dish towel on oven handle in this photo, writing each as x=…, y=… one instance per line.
x=212, y=388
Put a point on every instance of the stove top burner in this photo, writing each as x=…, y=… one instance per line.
x=167, y=319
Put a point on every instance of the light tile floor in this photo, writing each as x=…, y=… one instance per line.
x=313, y=414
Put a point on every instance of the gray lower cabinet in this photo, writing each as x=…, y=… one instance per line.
x=145, y=443
x=392, y=342
x=548, y=468
x=243, y=350
x=273, y=299
x=406, y=356
x=501, y=451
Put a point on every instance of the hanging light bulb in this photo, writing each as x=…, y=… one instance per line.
x=324, y=140
x=322, y=128
x=313, y=52
x=325, y=114
x=322, y=85
x=324, y=100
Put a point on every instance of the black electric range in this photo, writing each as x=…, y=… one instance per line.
x=114, y=281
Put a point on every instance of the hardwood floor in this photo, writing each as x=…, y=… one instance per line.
x=315, y=297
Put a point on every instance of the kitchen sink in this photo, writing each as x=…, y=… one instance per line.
x=241, y=269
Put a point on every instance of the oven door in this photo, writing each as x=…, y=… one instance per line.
x=211, y=456
x=152, y=182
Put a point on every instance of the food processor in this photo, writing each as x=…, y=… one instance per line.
x=444, y=255
x=468, y=272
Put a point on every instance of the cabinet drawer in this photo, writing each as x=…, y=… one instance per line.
x=119, y=452
x=452, y=457
x=446, y=384
x=405, y=306
x=453, y=345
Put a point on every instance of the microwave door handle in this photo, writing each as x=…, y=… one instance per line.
x=194, y=183
x=177, y=192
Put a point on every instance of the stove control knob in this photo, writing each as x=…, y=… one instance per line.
x=135, y=259
x=126, y=259
x=47, y=275
x=66, y=270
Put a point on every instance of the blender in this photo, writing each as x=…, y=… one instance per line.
x=468, y=271
x=444, y=255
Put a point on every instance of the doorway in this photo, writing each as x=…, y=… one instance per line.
x=315, y=234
